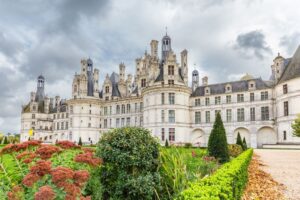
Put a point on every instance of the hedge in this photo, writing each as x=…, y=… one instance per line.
x=228, y=182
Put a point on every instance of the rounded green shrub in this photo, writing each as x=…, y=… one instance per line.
x=234, y=150
x=130, y=164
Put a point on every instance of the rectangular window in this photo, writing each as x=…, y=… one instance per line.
x=240, y=98
x=171, y=98
x=105, y=110
x=207, y=101
x=162, y=98
x=162, y=116
x=89, y=125
x=251, y=96
x=228, y=99
x=141, y=121
x=141, y=106
x=207, y=116
x=67, y=125
x=105, y=123
x=143, y=82
x=171, y=82
x=71, y=109
x=240, y=114
x=57, y=125
x=171, y=70
x=171, y=134
x=228, y=115
x=264, y=95
x=285, y=89
x=62, y=125
x=135, y=107
x=123, y=109
x=197, y=102
x=128, y=108
x=122, y=122
x=118, y=122
x=217, y=100
x=197, y=117
x=33, y=116
x=252, y=114
x=128, y=121
x=118, y=109
x=264, y=113
x=171, y=116
x=110, y=110
x=163, y=134
x=286, y=108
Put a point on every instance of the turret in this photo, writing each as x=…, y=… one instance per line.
x=39, y=97
x=46, y=104
x=205, y=81
x=90, y=85
x=195, y=80
x=32, y=96
x=165, y=47
x=277, y=67
x=122, y=72
x=96, y=84
x=128, y=84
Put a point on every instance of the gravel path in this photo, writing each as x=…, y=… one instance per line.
x=284, y=166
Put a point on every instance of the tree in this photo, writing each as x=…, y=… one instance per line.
x=130, y=167
x=167, y=143
x=239, y=140
x=80, y=142
x=296, y=126
x=5, y=140
x=217, y=143
x=244, y=144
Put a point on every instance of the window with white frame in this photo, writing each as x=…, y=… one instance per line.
x=228, y=98
x=217, y=100
x=207, y=101
x=171, y=98
x=197, y=102
x=171, y=116
x=197, y=117
x=252, y=114
x=171, y=134
x=207, y=116
x=240, y=114
x=228, y=115
x=264, y=95
x=264, y=113
x=240, y=98
x=162, y=116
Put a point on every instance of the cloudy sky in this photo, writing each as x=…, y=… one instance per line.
x=224, y=38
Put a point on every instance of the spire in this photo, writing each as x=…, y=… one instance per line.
x=166, y=46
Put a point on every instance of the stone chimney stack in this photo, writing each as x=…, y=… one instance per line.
x=154, y=44
x=205, y=81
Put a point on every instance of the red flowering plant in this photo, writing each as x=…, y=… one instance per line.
x=45, y=193
x=65, y=144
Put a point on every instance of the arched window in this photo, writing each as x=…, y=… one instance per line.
x=106, y=89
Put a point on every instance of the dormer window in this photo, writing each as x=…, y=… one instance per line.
x=228, y=88
x=106, y=89
x=207, y=91
x=171, y=70
x=171, y=82
x=143, y=82
x=251, y=85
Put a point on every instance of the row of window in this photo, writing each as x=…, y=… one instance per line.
x=171, y=134
x=61, y=125
x=60, y=115
x=240, y=115
x=120, y=122
x=239, y=98
x=122, y=109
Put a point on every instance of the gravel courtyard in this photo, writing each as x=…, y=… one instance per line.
x=283, y=165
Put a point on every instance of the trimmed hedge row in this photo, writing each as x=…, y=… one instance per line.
x=228, y=182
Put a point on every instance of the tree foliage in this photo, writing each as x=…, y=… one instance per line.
x=167, y=143
x=217, y=143
x=296, y=126
x=5, y=140
x=80, y=141
x=244, y=144
x=239, y=140
x=131, y=161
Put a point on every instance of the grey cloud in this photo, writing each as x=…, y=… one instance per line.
x=290, y=42
x=254, y=43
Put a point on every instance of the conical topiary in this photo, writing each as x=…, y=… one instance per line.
x=239, y=140
x=244, y=144
x=217, y=143
x=80, y=142
x=5, y=140
x=167, y=143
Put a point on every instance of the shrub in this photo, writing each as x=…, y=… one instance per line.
x=226, y=183
x=5, y=140
x=217, y=143
x=130, y=164
x=234, y=150
x=239, y=140
x=80, y=142
x=188, y=145
x=244, y=144
x=167, y=143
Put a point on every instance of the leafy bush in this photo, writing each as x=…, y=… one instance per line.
x=130, y=164
x=80, y=142
x=234, y=150
x=217, y=143
x=226, y=183
x=188, y=145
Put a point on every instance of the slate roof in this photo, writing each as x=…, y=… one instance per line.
x=114, y=78
x=236, y=86
x=292, y=69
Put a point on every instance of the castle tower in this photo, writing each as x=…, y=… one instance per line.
x=40, y=89
x=165, y=47
x=195, y=79
x=96, y=84
x=90, y=85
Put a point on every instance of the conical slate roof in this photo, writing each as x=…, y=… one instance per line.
x=293, y=68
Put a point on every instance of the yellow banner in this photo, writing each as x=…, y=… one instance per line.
x=30, y=132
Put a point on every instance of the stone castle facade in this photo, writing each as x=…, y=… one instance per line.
x=158, y=97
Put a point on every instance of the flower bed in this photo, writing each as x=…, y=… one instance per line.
x=32, y=170
x=226, y=183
